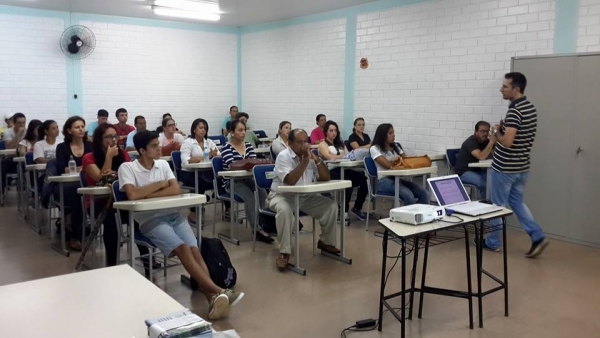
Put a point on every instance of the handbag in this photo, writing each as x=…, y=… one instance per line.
x=248, y=163
x=412, y=162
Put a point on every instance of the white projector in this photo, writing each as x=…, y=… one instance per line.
x=417, y=214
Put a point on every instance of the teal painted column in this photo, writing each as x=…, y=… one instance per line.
x=349, y=75
x=566, y=26
x=239, y=70
x=74, y=80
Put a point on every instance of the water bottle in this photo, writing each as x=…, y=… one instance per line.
x=206, y=155
x=72, y=166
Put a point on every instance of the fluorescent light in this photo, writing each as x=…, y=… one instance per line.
x=194, y=6
x=185, y=14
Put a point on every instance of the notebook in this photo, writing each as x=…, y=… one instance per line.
x=452, y=195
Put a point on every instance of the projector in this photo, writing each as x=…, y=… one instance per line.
x=417, y=214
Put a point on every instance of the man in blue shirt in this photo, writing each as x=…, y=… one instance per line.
x=102, y=119
x=232, y=114
x=140, y=125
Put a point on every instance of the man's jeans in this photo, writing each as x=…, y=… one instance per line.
x=476, y=178
x=507, y=191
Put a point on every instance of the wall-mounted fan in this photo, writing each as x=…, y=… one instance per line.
x=77, y=42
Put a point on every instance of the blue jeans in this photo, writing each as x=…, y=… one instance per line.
x=476, y=178
x=408, y=192
x=507, y=191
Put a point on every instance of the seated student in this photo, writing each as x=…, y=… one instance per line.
x=12, y=137
x=476, y=148
x=160, y=128
x=31, y=137
x=74, y=147
x=102, y=119
x=140, y=125
x=386, y=154
x=250, y=135
x=9, y=124
x=102, y=165
x=193, y=150
x=123, y=129
x=236, y=150
x=332, y=148
x=233, y=110
x=298, y=165
x=45, y=149
x=317, y=135
x=149, y=177
x=358, y=139
x=169, y=140
x=280, y=143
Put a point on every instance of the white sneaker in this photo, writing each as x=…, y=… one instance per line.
x=219, y=304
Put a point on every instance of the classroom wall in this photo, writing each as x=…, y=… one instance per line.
x=294, y=73
x=589, y=26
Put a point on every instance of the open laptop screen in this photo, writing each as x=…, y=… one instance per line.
x=449, y=190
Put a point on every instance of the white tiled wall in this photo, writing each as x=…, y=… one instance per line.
x=152, y=70
x=294, y=73
x=436, y=68
x=589, y=26
x=32, y=67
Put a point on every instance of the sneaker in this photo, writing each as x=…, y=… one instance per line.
x=485, y=246
x=234, y=297
x=537, y=248
x=219, y=304
x=359, y=214
x=282, y=261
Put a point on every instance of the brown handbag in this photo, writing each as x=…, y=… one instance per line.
x=248, y=163
x=412, y=162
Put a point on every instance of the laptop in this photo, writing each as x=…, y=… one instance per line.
x=451, y=194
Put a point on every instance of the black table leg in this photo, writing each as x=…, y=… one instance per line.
x=413, y=276
x=423, y=277
x=385, y=247
x=505, y=254
x=479, y=236
x=403, y=310
x=469, y=286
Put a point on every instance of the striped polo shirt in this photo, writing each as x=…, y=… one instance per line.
x=522, y=116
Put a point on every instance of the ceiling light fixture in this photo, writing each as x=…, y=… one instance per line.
x=194, y=6
x=185, y=14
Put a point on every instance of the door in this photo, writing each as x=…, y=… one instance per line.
x=585, y=153
x=551, y=87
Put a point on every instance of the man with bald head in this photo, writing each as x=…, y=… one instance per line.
x=297, y=165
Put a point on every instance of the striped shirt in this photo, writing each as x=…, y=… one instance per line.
x=522, y=116
x=230, y=155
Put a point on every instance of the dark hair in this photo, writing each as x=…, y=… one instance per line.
x=68, y=124
x=17, y=116
x=139, y=117
x=234, y=125
x=102, y=113
x=43, y=128
x=167, y=114
x=281, y=124
x=143, y=138
x=31, y=128
x=380, y=138
x=227, y=125
x=295, y=132
x=481, y=123
x=165, y=121
x=242, y=114
x=195, y=125
x=100, y=153
x=319, y=117
x=517, y=80
x=356, y=121
x=119, y=111
x=231, y=108
x=337, y=142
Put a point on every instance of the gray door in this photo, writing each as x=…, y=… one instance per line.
x=584, y=225
x=551, y=87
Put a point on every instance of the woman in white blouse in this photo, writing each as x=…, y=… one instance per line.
x=281, y=142
x=196, y=149
x=45, y=149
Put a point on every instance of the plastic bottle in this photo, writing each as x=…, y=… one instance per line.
x=72, y=166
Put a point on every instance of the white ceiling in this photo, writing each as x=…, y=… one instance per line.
x=237, y=12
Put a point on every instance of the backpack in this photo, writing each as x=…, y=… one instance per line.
x=219, y=265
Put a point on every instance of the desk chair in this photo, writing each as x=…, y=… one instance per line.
x=451, y=157
x=260, y=133
x=13, y=176
x=53, y=203
x=219, y=140
x=371, y=171
x=141, y=240
x=176, y=157
x=273, y=155
x=220, y=194
x=263, y=181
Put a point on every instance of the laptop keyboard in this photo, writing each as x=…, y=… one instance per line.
x=479, y=207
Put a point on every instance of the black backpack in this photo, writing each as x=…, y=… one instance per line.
x=219, y=265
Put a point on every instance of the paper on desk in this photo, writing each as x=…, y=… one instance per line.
x=226, y=334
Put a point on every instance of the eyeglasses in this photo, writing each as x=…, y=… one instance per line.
x=111, y=137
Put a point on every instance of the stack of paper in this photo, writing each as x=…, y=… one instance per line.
x=183, y=324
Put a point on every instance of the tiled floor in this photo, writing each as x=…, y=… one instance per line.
x=555, y=295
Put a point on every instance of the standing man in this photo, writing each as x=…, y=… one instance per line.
x=233, y=110
x=123, y=129
x=140, y=125
x=515, y=136
x=102, y=119
x=477, y=147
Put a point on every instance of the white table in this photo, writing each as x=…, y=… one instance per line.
x=266, y=139
x=233, y=175
x=425, y=172
x=166, y=158
x=343, y=165
x=37, y=308
x=3, y=154
x=437, y=157
x=263, y=151
x=487, y=164
x=160, y=203
x=196, y=167
x=317, y=188
x=22, y=191
x=61, y=180
x=36, y=169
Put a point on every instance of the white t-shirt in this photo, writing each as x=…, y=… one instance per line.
x=285, y=163
x=389, y=155
x=135, y=174
x=190, y=148
x=26, y=144
x=9, y=134
x=163, y=141
x=41, y=149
